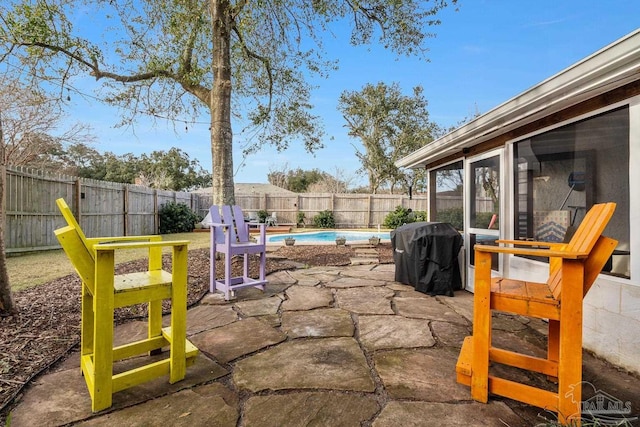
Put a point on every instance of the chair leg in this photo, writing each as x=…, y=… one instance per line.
x=263, y=265
x=103, y=332
x=154, y=327
x=227, y=275
x=212, y=265
x=245, y=263
x=87, y=322
x=178, y=361
x=553, y=344
x=481, y=328
x=570, y=339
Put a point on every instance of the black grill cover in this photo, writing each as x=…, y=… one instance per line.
x=426, y=257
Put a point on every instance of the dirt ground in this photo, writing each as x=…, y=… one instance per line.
x=48, y=324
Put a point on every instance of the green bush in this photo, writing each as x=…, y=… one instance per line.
x=262, y=216
x=454, y=216
x=402, y=216
x=300, y=218
x=324, y=219
x=177, y=218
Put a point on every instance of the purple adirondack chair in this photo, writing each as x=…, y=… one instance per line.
x=230, y=236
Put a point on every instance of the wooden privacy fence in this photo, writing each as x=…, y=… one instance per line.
x=115, y=209
x=349, y=210
x=102, y=208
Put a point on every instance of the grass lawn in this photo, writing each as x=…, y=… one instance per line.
x=36, y=268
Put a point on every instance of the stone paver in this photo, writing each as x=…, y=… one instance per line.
x=505, y=322
x=382, y=332
x=208, y=405
x=461, y=303
x=400, y=287
x=306, y=298
x=324, y=363
x=421, y=414
x=353, y=282
x=426, y=308
x=202, y=318
x=42, y=404
x=376, y=274
x=259, y=307
x=365, y=300
x=237, y=339
x=330, y=322
x=309, y=409
x=450, y=334
x=424, y=374
x=304, y=279
x=281, y=278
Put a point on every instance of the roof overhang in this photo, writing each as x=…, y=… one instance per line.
x=611, y=67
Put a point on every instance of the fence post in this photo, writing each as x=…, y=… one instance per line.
x=369, y=212
x=77, y=196
x=156, y=217
x=126, y=210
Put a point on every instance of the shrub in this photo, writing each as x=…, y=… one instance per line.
x=324, y=219
x=177, y=218
x=402, y=216
x=300, y=218
x=453, y=216
x=262, y=216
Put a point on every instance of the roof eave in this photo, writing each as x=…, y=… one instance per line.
x=611, y=67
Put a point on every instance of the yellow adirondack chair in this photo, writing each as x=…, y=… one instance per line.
x=103, y=291
x=573, y=267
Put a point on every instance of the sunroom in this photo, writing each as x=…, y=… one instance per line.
x=530, y=168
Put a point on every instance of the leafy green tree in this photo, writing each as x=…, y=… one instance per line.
x=176, y=58
x=183, y=172
x=389, y=125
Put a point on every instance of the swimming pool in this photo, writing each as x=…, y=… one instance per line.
x=329, y=236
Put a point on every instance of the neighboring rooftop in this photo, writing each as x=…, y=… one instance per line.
x=250, y=188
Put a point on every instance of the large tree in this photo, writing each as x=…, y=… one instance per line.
x=390, y=125
x=154, y=53
x=7, y=305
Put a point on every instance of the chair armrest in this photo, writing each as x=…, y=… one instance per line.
x=139, y=245
x=530, y=243
x=102, y=240
x=547, y=253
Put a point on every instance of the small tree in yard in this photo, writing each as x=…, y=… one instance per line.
x=389, y=125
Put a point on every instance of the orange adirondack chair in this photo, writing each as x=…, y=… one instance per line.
x=573, y=267
x=103, y=291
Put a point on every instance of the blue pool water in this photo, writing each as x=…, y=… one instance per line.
x=329, y=236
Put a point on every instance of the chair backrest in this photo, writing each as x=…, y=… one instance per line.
x=234, y=218
x=218, y=232
x=584, y=240
x=65, y=210
x=74, y=245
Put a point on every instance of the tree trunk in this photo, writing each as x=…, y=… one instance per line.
x=7, y=306
x=221, y=134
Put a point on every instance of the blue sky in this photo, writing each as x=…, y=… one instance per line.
x=484, y=54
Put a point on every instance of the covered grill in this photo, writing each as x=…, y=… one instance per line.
x=426, y=256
